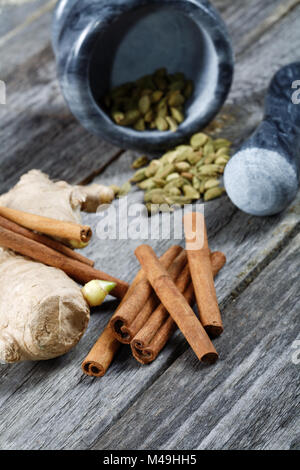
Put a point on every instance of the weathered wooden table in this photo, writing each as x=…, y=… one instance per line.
x=250, y=398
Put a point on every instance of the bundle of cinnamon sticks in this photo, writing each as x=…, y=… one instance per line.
x=160, y=299
x=24, y=233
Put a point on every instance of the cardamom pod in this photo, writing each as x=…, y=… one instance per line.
x=139, y=162
x=223, y=160
x=160, y=183
x=222, y=151
x=150, y=193
x=195, y=157
x=212, y=183
x=140, y=125
x=156, y=96
x=198, y=140
x=208, y=149
x=191, y=192
x=139, y=176
x=144, y=104
x=177, y=114
x=213, y=193
x=125, y=189
x=147, y=184
x=130, y=117
x=182, y=166
x=187, y=175
x=175, y=99
x=210, y=170
x=152, y=169
x=196, y=183
x=219, y=143
x=172, y=176
x=165, y=171
x=209, y=159
x=172, y=124
x=118, y=116
x=149, y=116
x=162, y=111
x=172, y=191
x=161, y=124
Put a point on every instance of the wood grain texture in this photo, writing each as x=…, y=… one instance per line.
x=250, y=398
x=50, y=404
x=14, y=14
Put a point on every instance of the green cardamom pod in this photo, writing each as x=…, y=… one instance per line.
x=191, y=192
x=172, y=124
x=139, y=162
x=177, y=114
x=144, y=104
x=161, y=123
x=212, y=183
x=198, y=140
x=139, y=176
x=213, y=193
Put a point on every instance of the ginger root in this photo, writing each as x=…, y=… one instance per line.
x=43, y=313
x=37, y=194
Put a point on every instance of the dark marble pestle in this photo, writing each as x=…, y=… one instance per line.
x=262, y=178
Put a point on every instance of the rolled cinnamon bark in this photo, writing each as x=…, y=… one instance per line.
x=159, y=328
x=103, y=352
x=54, y=244
x=129, y=310
x=45, y=225
x=176, y=305
x=101, y=355
x=80, y=272
x=198, y=253
x=132, y=329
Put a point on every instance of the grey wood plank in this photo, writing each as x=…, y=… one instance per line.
x=48, y=395
x=250, y=398
x=38, y=131
x=55, y=407
x=27, y=39
x=14, y=13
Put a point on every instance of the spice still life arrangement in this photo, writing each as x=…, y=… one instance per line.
x=41, y=273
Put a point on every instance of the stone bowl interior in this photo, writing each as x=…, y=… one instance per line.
x=142, y=40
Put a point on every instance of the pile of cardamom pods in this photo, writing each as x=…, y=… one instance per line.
x=152, y=102
x=184, y=174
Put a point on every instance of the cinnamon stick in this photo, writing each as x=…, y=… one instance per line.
x=129, y=310
x=198, y=253
x=78, y=271
x=159, y=328
x=131, y=329
x=103, y=352
x=176, y=305
x=50, y=242
x=47, y=226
